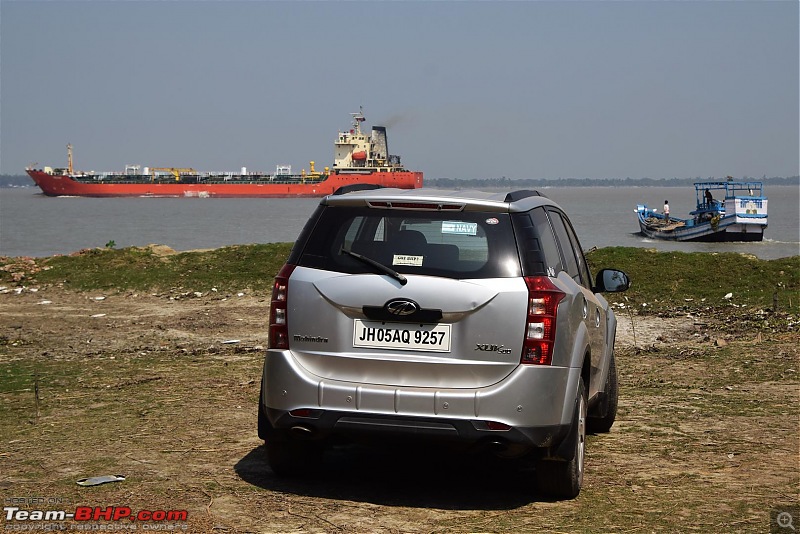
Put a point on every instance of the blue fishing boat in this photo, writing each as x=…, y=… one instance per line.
x=726, y=211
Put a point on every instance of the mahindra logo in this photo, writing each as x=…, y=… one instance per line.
x=402, y=307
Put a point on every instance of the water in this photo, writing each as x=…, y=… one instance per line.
x=32, y=224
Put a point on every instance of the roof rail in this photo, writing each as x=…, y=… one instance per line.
x=356, y=187
x=522, y=193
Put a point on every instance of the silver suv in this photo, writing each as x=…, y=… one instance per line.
x=451, y=316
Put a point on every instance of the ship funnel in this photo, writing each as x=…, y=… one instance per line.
x=380, y=147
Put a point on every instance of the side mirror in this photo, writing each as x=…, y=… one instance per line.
x=611, y=281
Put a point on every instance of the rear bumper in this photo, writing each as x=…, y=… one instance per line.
x=535, y=402
x=328, y=424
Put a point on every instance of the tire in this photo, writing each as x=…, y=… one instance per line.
x=605, y=413
x=563, y=478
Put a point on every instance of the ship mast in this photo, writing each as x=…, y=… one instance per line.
x=358, y=118
x=69, y=158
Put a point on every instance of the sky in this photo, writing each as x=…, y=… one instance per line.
x=522, y=89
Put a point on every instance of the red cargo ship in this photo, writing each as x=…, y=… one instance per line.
x=358, y=159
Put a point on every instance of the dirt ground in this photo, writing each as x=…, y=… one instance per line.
x=162, y=388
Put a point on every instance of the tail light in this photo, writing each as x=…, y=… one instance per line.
x=278, y=329
x=540, y=326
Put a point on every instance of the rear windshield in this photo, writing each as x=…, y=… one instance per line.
x=452, y=245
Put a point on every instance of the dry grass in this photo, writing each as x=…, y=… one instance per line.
x=706, y=440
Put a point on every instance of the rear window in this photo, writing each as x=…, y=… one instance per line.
x=453, y=245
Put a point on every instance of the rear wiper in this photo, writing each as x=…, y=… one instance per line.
x=379, y=266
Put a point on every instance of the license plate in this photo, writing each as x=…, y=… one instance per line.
x=401, y=336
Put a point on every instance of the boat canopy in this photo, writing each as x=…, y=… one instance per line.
x=732, y=189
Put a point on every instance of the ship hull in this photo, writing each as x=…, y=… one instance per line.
x=725, y=231
x=65, y=185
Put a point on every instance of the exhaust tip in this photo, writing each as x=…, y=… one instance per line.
x=300, y=431
x=498, y=445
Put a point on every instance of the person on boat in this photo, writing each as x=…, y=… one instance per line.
x=709, y=199
x=666, y=212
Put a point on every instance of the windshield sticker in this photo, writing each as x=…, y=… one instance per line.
x=492, y=221
x=405, y=259
x=459, y=227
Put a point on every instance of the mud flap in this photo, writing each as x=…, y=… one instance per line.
x=265, y=429
x=600, y=406
x=566, y=450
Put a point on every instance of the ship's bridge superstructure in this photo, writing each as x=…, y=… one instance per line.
x=354, y=150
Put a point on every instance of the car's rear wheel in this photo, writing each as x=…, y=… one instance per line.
x=606, y=409
x=563, y=478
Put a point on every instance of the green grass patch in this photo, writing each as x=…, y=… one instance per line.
x=134, y=268
x=702, y=279
x=660, y=279
x=25, y=388
x=23, y=375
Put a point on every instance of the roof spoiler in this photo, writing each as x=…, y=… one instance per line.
x=356, y=187
x=522, y=193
